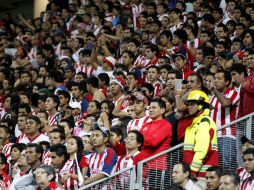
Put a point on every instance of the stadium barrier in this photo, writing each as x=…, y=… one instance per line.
x=124, y=179
x=155, y=172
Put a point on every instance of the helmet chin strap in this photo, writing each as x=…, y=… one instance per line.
x=200, y=107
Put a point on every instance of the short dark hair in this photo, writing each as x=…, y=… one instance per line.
x=209, y=18
x=135, y=41
x=185, y=167
x=35, y=118
x=60, y=150
x=160, y=103
x=104, y=77
x=167, y=67
x=25, y=106
x=65, y=94
x=154, y=67
x=132, y=74
x=19, y=146
x=216, y=169
x=148, y=86
x=85, y=52
x=239, y=68
x=176, y=72
x=55, y=99
x=181, y=34
x=3, y=158
x=6, y=129
x=80, y=87
x=249, y=151
x=227, y=75
x=38, y=148
x=234, y=178
x=154, y=48
x=225, y=28
x=140, y=138
x=57, y=76
x=93, y=81
x=60, y=131
x=69, y=122
x=199, y=77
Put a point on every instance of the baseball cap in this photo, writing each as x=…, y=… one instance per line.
x=74, y=105
x=104, y=130
x=139, y=96
x=178, y=55
x=119, y=80
x=44, y=91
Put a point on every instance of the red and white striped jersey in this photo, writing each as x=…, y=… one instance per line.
x=7, y=150
x=242, y=173
x=157, y=89
x=222, y=116
x=20, y=137
x=137, y=124
x=196, y=44
x=6, y=180
x=46, y=159
x=54, y=119
x=247, y=184
x=40, y=137
x=87, y=69
x=103, y=162
x=70, y=167
x=141, y=62
x=126, y=161
x=124, y=104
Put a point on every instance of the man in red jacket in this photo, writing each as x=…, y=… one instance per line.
x=247, y=89
x=157, y=137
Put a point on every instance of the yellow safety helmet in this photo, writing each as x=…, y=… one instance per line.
x=199, y=96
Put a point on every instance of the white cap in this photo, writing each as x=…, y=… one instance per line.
x=75, y=105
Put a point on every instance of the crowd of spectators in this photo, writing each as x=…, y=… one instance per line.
x=94, y=86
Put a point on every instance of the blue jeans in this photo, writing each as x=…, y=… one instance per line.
x=227, y=153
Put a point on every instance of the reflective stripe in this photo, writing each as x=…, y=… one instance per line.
x=214, y=146
x=200, y=169
x=188, y=147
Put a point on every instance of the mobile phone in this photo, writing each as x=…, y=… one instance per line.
x=178, y=84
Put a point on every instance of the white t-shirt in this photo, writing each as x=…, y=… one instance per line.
x=37, y=139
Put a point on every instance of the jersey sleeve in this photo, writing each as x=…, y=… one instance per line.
x=234, y=97
x=84, y=163
x=109, y=162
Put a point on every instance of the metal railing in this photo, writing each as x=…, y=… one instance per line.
x=232, y=148
x=147, y=177
x=121, y=180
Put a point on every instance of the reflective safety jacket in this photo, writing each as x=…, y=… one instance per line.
x=200, y=144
